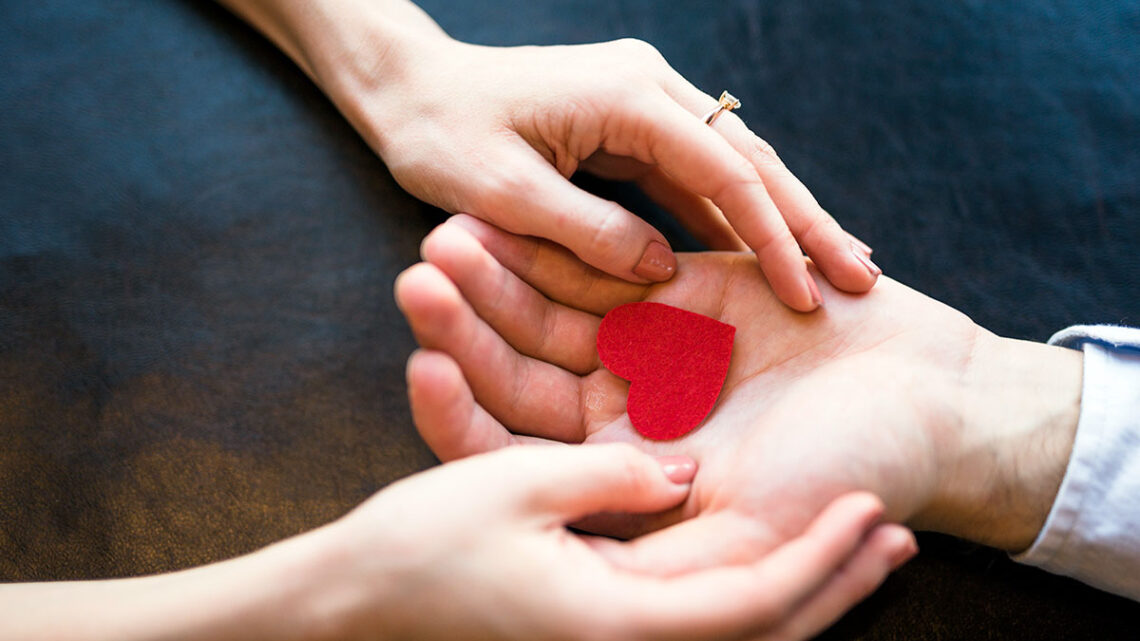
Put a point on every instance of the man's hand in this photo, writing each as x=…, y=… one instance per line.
x=891, y=392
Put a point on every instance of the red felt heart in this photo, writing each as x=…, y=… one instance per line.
x=675, y=361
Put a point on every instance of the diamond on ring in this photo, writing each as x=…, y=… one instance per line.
x=726, y=102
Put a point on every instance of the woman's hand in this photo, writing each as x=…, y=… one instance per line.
x=497, y=131
x=479, y=550
x=891, y=392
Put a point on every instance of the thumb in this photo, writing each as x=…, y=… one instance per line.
x=575, y=481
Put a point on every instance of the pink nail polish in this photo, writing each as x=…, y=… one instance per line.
x=657, y=263
x=866, y=260
x=816, y=299
x=903, y=554
x=679, y=469
x=866, y=249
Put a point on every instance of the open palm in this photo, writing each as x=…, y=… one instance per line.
x=814, y=405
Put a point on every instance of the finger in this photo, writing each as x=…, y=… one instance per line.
x=738, y=600
x=886, y=548
x=445, y=412
x=572, y=482
x=845, y=263
x=707, y=541
x=526, y=395
x=626, y=526
x=696, y=213
x=531, y=323
x=531, y=197
x=454, y=426
x=701, y=160
x=552, y=270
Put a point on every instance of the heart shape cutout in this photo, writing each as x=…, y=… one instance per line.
x=675, y=361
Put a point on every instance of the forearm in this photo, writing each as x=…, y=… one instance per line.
x=271, y=594
x=1020, y=406
x=322, y=36
x=364, y=54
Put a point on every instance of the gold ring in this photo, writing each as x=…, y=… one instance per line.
x=727, y=102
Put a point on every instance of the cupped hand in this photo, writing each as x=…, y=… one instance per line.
x=478, y=549
x=859, y=396
x=497, y=131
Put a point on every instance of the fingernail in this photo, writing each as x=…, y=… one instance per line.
x=865, y=259
x=861, y=245
x=679, y=469
x=657, y=263
x=904, y=554
x=816, y=299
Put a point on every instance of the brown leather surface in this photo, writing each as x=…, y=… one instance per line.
x=199, y=352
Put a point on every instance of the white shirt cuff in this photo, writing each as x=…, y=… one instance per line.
x=1092, y=532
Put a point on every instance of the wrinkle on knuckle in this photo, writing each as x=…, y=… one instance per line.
x=547, y=327
x=608, y=238
x=522, y=382
x=819, y=230
x=762, y=153
x=773, y=247
x=630, y=469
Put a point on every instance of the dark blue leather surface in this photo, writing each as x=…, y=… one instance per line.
x=199, y=353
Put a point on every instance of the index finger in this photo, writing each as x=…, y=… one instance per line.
x=698, y=158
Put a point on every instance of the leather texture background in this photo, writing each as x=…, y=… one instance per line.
x=199, y=352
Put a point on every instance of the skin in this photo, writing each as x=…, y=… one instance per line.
x=956, y=429
x=479, y=550
x=496, y=132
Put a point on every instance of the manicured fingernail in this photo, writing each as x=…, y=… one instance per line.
x=657, y=263
x=903, y=554
x=861, y=245
x=865, y=259
x=679, y=469
x=816, y=299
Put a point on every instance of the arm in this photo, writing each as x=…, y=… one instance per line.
x=497, y=131
x=268, y=594
x=479, y=549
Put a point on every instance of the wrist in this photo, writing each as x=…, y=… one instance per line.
x=1018, y=406
x=344, y=45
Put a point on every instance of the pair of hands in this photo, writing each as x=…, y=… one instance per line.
x=509, y=324
x=496, y=132
x=890, y=392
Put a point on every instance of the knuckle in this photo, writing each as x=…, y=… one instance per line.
x=639, y=49
x=494, y=188
x=762, y=153
x=820, y=229
x=608, y=239
x=628, y=463
x=773, y=247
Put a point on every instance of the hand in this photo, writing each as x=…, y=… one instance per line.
x=889, y=392
x=478, y=549
x=497, y=131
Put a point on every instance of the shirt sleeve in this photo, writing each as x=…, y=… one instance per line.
x=1092, y=532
